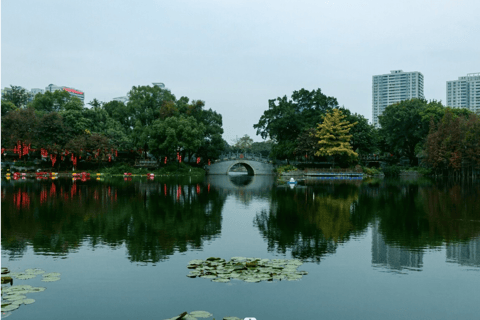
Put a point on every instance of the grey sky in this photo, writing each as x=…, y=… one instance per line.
x=235, y=55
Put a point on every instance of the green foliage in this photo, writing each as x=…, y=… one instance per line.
x=286, y=168
x=371, y=171
x=52, y=101
x=7, y=106
x=364, y=135
x=392, y=171
x=334, y=137
x=405, y=125
x=175, y=132
x=243, y=144
x=454, y=143
x=286, y=119
x=19, y=125
x=16, y=95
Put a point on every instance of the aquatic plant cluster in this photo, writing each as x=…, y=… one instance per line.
x=198, y=314
x=246, y=269
x=14, y=296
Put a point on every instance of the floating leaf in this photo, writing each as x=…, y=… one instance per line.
x=231, y=318
x=52, y=274
x=200, y=314
x=26, y=276
x=36, y=271
x=10, y=307
x=14, y=297
x=28, y=301
x=5, y=270
x=220, y=280
x=38, y=289
x=50, y=279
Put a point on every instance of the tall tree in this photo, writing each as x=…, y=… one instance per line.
x=51, y=101
x=16, y=95
x=165, y=137
x=19, y=125
x=243, y=143
x=405, y=125
x=334, y=137
x=286, y=119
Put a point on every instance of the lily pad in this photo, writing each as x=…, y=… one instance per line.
x=28, y=301
x=50, y=279
x=52, y=274
x=231, y=318
x=35, y=271
x=26, y=276
x=14, y=297
x=221, y=280
x=200, y=314
x=10, y=307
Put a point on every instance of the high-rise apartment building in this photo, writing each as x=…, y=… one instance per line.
x=394, y=87
x=465, y=92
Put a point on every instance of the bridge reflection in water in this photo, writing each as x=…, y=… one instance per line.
x=242, y=185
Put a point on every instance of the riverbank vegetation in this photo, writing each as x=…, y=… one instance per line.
x=310, y=129
x=152, y=125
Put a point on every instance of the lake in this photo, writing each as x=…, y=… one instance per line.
x=373, y=249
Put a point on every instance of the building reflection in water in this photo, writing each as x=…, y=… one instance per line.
x=392, y=257
x=465, y=253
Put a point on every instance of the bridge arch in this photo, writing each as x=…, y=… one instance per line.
x=250, y=170
x=254, y=166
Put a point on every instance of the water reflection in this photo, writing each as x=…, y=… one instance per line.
x=310, y=222
x=393, y=257
x=245, y=188
x=465, y=253
x=152, y=219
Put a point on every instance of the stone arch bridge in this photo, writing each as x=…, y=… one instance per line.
x=254, y=163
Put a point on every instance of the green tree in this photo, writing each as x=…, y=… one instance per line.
x=286, y=119
x=334, y=137
x=364, y=135
x=175, y=132
x=7, y=107
x=51, y=131
x=244, y=143
x=16, y=95
x=19, y=125
x=74, y=117
x=51, y=101
x=405, y=125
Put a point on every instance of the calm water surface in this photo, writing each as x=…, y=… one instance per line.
x=373, y=249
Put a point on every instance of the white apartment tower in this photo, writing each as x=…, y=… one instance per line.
x=465, y=92
x=394, y=87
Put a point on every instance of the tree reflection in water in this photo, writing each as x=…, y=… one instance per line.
x=153, y=219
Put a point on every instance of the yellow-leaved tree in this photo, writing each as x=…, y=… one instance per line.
x=333, y=136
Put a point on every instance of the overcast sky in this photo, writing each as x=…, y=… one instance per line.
x=235, y=55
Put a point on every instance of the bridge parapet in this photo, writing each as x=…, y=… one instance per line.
x=242, y=156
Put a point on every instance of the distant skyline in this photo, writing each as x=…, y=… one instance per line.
x=236, y=55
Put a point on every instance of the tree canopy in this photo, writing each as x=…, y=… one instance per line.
x=333, y=136
x=285, y=119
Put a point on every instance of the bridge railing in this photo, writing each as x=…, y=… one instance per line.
x=242, y=156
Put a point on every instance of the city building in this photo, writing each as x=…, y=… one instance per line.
x=73, y=92
x=465, y=92
x=394, y=87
